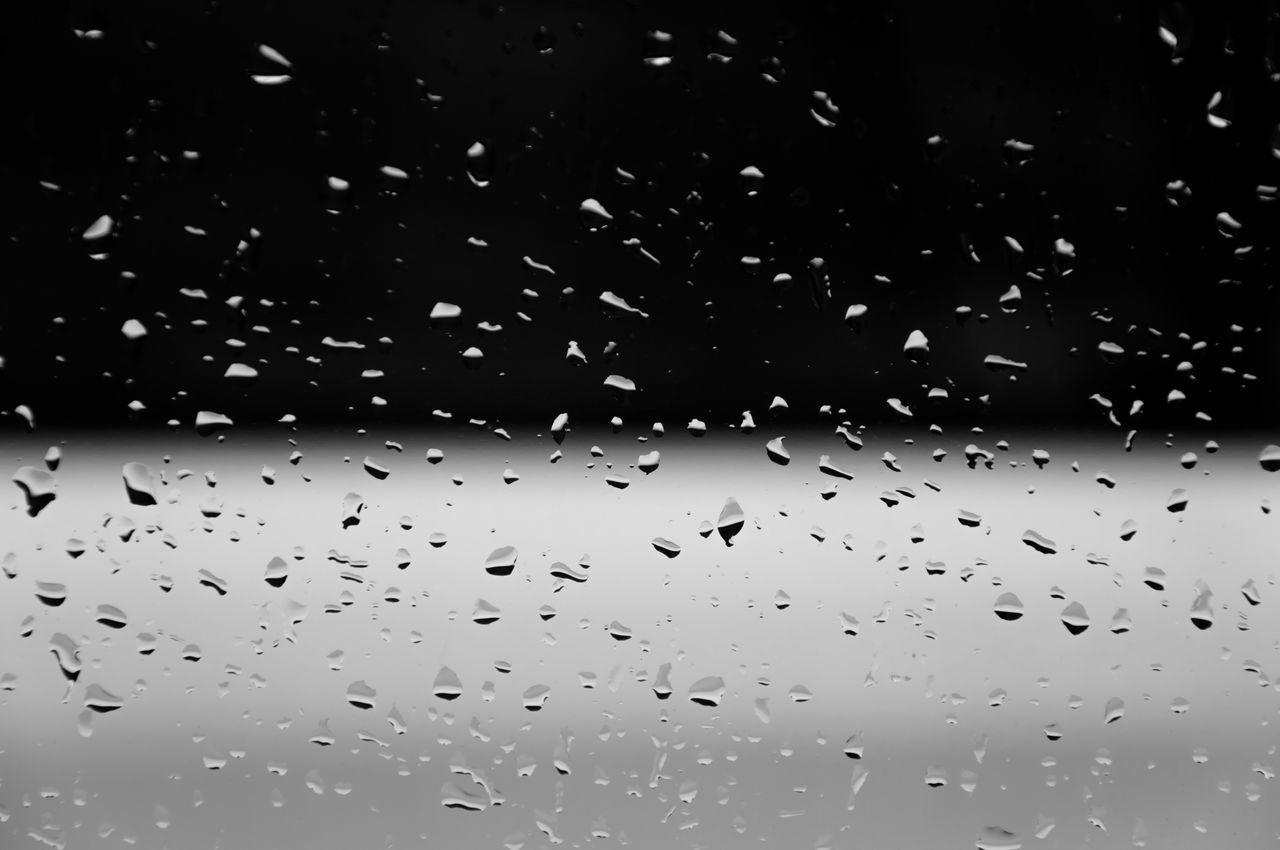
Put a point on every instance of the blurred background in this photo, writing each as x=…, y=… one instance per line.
x=763, y=168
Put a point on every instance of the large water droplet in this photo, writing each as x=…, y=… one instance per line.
x=501, y=561
x=1008, y=607
x=731, y=520
x=1075, y=618
x=138, y=484
x=447, y=685
x=708, y=690
x=38, y=488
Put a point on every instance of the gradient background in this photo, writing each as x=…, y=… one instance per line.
x=1114, y=114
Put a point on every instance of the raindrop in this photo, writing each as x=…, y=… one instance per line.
x=562, y=570
x=649, y=461
x=111, y=617
x=270, y=53
x=209, y=423
x=501, y=561
x=277, y=572
x=823, y=110
x=99, y=699
x=777, y=452
x=1008, y=607
x=51, y=593
x=535, y=697
x=666, y=547
x=708, y=690
x=67, y=653
x=997, y=838
x=731, y=520
x=1202, y=607
x=485, y=613
x=360, y=695
x=1120, y=622
x=453, y=797
x=1039, y=542
x=138, y=484
x=479, y=164
x=101, y=228
x=447, y=685
x=352, y=505
x=917, y=346
x=620, y=383
x=593, y=215
x=1075, y=618
x=38, y=488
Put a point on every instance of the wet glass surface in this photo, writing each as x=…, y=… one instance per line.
x=455, y=425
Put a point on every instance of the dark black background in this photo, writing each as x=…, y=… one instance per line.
x=413, y=85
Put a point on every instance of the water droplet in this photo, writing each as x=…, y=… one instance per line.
x=111, y=617
x=666, y=547
x=485, y=613
x=657, y=48
x=138, y=484
x=1039, y=542
x=360, y=695
x=708, y=690
x=535, y=697
x=1202, y=607
x=649, y=461
x=1075, y=618
x=447, y=685
x=453, y=797
x=823, y=110
x=99, y=699
x=209, y=423
x=51, y=593
x=777, y=452
x=731, y=520
x=211, y=581
x=352, y=505
x=38, y=488
x=826, y=467
x=501, y=561
x=917, y=347
x=101, y=228
x=593, y=215
x=277, y=572
x=997, y=838
x=1120, y=622
x=1008, y=607
x=617, y=382
x=479, y=164
x=133, y=330
x=375, y=469
x=561, y=570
